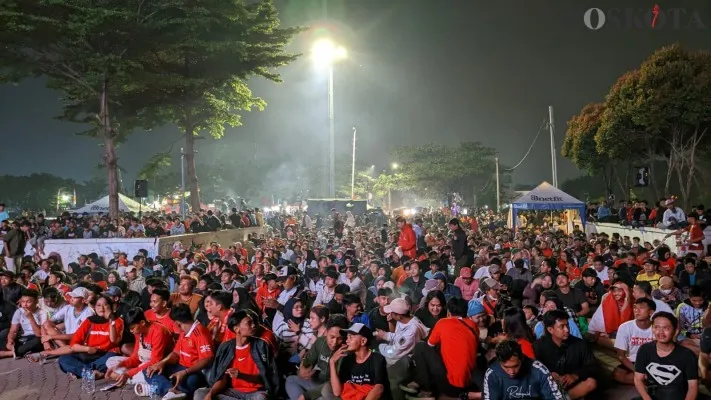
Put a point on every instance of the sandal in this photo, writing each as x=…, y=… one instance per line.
x=34, y=357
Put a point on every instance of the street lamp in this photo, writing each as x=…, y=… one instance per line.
x=325, y=53
x=395, y=166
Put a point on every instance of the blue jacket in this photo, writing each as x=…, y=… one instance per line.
x=533, y=383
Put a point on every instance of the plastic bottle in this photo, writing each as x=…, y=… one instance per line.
x=91, y=381
x=85, y=380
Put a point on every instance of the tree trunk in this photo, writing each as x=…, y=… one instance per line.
x=109, y=152
x=191, y=173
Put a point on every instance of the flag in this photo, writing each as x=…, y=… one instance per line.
x=74, y=198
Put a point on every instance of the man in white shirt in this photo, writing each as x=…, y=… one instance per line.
x=328, y=290
x=355, y=283
x=643, y=289
x=408, y=331
x=631, y=335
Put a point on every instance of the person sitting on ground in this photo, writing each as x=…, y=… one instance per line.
x=630, y=337
x=690, y=315
x=446, y=363
x=153, y=343
x=57, y=331
x=244, y=366
x=184, y=365
x=643, y=289
x=514, y=376
x=25, y=334
x=314, y=371
x=93, y=344
x=664, y=369
x=615, y=308
x=569, y=359
x=361, y=373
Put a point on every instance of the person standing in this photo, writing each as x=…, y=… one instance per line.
x=407, y=241
x=14, y=245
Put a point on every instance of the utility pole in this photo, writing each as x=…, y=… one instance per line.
x=498, y=187
x=554, y=163
x=353, y=166
x=331, y=138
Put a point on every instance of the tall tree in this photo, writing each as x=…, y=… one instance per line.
x=91, y=50
x=579, y=145
x=203, y=84
x=662, y=110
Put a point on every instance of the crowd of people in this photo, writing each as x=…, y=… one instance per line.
x=433, y=307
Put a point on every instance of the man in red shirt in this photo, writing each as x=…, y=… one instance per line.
x=159, y=312
x=217, y=305
x=408, y=239
x=153, y=343
x=193, y=353
x=446, y=363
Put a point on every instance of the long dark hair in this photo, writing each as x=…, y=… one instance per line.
x=515, y=324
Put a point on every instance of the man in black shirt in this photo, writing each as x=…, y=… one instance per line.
x=362, y=373
x=377, y=316
x=569, y=359
x=664, y=369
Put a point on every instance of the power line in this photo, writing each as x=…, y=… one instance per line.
x=540, y=129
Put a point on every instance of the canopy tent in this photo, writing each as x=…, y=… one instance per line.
x=125, y=204
x=545, y=197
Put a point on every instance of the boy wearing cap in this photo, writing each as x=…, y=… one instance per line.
x=408, y=331
x=362, y=373
x=58, y=330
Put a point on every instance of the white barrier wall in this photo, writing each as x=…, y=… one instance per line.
x=70, y=249
x=646, y=234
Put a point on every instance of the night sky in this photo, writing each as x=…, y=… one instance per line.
x=419, y=71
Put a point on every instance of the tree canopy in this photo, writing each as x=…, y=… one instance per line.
x=661, y=111
x=445, y=170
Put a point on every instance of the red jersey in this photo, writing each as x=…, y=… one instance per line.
x=219, y=330
x=244, y=363
x=158, y=340
x=98, y=335
x=165, y=320
x=268, y=336
x=194, y=345
x=263, y=293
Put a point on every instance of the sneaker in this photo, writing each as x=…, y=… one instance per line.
x=142, y=390
x=174, y=395
x=412, y=388
x=34, y=357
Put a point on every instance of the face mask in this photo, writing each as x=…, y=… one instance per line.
x=665, y=291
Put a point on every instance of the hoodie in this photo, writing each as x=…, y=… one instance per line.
x=402, y=342
x=534, y=382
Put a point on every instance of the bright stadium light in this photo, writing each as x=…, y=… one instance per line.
x=325, y=52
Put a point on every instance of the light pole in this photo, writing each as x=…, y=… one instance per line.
x=182, y=183
x=353, y=166
x=390, y=184
x=326, y=53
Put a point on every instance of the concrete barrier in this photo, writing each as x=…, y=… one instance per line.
x=70, y=249
x=646, y=234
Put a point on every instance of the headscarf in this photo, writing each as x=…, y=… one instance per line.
x=289, y=311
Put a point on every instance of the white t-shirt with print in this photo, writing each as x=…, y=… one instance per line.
x=630, y=338
x=19, y=318
x=71, y=320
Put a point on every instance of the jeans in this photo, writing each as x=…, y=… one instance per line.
x=71, y=364
x=188, y=385
x=231, y=394
x=295, y=387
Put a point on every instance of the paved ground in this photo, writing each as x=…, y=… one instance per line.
x=20, y=380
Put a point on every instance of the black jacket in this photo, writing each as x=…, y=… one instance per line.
x=573, y=357
x=262, y=355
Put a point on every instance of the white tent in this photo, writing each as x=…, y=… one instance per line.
x=546, y=197
x=125, y=204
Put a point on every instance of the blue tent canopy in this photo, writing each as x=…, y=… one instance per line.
x=545, y=197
